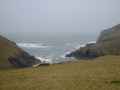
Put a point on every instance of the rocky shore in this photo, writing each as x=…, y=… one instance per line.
x=108, y=43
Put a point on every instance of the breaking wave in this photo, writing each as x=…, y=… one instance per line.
x=32, y=45
x=43, y=60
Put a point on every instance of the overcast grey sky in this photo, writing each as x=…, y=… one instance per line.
x=58, y=15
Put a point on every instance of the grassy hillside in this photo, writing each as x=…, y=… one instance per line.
x=7, y=49
x=12, y=55
x=100, y=74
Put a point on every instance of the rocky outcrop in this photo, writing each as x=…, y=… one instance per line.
x=12, y=55
x=108, y=43
x=90, y=51
x=23, y=60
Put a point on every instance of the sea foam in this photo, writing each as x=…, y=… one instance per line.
x=44, y=60
x=32, y=45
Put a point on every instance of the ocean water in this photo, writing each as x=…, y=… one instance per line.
x=51, y=47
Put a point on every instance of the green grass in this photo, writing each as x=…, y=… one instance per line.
x=100, y=74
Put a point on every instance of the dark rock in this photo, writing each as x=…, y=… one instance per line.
x=88, y=52
x=23, y=60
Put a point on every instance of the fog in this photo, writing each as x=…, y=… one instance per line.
x=58, y=16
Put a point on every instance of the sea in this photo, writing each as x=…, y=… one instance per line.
x=51, y=47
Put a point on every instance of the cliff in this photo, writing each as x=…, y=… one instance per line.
x=108, y=43
x=13, y=56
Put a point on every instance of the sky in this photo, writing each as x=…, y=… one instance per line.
x=55, y=16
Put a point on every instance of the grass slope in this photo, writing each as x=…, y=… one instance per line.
x=7, y=48
x=100, y=74
x=12, y=55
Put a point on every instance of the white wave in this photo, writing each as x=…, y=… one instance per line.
x=44, y=60
x=32, y=45
x=80, y=46
x=68, y=52
x=83, y=45
x=91, y=42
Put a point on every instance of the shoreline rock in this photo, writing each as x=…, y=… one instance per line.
x=108, y=43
